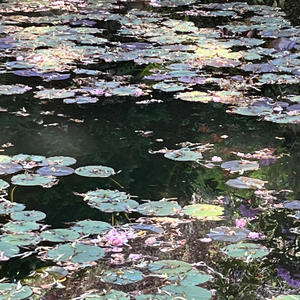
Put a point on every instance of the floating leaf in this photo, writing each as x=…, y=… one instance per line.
x=240, y=166
x=14, y=89
x=28, y=215
x=76, y=253
x=8, y=250
x=20, y=226
x=292, y=204
x=63, y=161
x=110, y=201
x=60, y=235
x=159, y=208
x=81, y=100
x=111, y=295
x=91, y=227
x=184, y=154
x=13, y=291
x=32, y=180
x=4, y=159
x=10, y=168
x=26, y=159
x=245, y=250
x=3, y=185
x=55, y=171
x=154, y=297
x=228, y=234
x=7, y=207
x=21, y=239
x=246, y=183
x=204, y=211
x=188, y=292
x=122, y=276
x=95, y=171
x=288, y=297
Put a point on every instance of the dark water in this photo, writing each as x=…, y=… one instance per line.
x=119, y=133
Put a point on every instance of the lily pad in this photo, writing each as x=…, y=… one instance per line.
x=188, y=292
x=122, y=276
x=60, y=235
x=26, y=159
x=110, y=201
x=111, y=295
x=204, y=211
x=246, y=183
x=184, y=154
x=159, y=208
x=32, y=180
x=13, y=89
x=245, y=250
x=4, y=159
x=95, y=171
x=240, y=166
x=55, y=171
x=228, y=234
x=63, y=161
x=13, y=291
x=288, y=297
x=7, y=207
x=295, y=204
x=154, y=297
x=21, y=239
x=8, y=250
x=91, y=227
x=20, y=226
x=28, y=215
x=3, y=185
x=76, y=253
x=10, y=168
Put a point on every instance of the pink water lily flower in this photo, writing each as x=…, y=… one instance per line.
x=241, y=223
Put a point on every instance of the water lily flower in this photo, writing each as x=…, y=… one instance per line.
x=241, y=223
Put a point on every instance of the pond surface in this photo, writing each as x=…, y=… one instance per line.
x=192, y=103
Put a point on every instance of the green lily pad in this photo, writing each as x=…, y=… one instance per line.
x=194, y=96
x=32, y=180
x=55, y=171
x=184, y=154
x=20, y=226
x=228, y=234
x=154, y=297
x=245, y=250
x=76, y=253
x=110, y=201
x=240, y=166
x=179, y=271
x=111, y=295
x=188, y=292
x=8, y=250
x=169, y=87
x=5, y=159
x=13, y=291
x=28, y=215
x=246, y=183
x=159, y=208
x=204, y=211
x=54, y=94
x=21, y=239
x=63, y=161
x=26, y=159
x=288, y=297
x=7, y=207
x=3, y=185
x=122, y=276
x=91, y=227
x=60, y=235
x=95, y=171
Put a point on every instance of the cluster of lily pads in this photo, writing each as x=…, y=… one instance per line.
x=191, y=61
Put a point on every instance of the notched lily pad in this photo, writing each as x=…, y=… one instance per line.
x=21, y=239
x=62, y=161
x=13, y=291
x=32, y=180
x=7, y=251
x=228, y=234
x=122, y=276
x=76, y=253
x=91, y=227
x=10, y=168
x=28, y=215
x=95, y=171
x=246, y=183
x=60, y=235
x=159, y=208
x=245, y=250
x=7, y=207
x=3, y=185
x=183, y=154
x=55, y=171
x=240, y=166
x=204, y=211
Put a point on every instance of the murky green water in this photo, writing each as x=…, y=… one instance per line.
x=83, y=47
